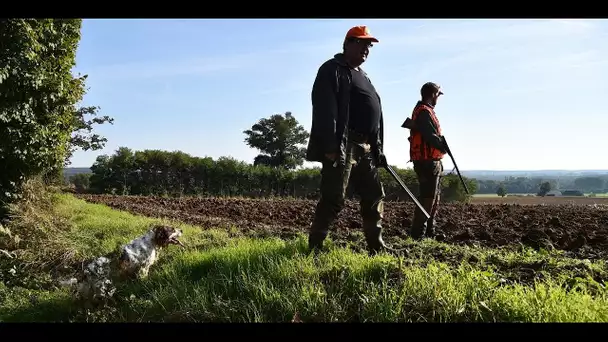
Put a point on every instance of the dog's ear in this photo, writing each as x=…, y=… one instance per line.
x=162, y=234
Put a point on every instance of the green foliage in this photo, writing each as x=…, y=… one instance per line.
x=590, y=184
x=82, y=129
x=453, y=191
x=38, y=97
x=280, y=139
x=545, y=187
x=529, y=185
x=81, y=182
x=155, y=172
x=501, y=191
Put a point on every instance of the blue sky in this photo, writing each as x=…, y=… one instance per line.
x=519, y=94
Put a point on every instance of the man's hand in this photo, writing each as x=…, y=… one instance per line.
x=445, y=144
x=331, y=156
x=382, y=160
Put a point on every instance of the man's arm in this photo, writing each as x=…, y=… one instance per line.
x=325, y=105
x=425, y=126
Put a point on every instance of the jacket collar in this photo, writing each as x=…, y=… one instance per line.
x=340, y=59
x=426, y=104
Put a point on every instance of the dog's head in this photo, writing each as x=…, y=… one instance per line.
x=166, y=235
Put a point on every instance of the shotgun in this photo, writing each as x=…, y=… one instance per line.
x=404, y=187
x=409, y=124
x=447, y=147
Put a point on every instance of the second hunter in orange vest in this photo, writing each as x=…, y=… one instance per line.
x=419, y=149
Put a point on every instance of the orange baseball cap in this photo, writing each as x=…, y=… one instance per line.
x=361, y=32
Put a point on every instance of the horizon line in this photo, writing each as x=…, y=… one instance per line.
x=473, y=170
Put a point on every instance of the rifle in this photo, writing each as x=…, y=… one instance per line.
x=466, y=189
x=409, y=124
x=404, y=187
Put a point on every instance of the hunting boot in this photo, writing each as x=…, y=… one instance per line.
x=373, y=236
x=318, y=232
x=315, y=241
x=431, y=223
x=431, y=233
x=420, y=226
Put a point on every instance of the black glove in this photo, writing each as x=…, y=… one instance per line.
x=445, y=145
x=382, y=160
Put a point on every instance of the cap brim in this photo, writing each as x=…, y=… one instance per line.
x=373, y=39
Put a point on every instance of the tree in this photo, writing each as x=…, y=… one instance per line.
x=81, y=182
x=82, y=137
x=453, y=191
x=114, y=174
x=501, y=191
x=38, y=99
x=545, y=187
x=589, y=183
x=280, y=139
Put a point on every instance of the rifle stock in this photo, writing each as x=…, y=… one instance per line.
x=409, y=124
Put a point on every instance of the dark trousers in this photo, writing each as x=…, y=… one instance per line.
x=361, y=172
x=429, y=175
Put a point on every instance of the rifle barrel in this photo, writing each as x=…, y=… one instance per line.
x=410, y=194
x=466, y=189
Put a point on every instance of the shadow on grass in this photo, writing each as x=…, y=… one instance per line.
x=51, y=310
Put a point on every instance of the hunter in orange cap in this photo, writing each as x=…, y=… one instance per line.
x=347, y=138
x=356, y=45
x=360, y=32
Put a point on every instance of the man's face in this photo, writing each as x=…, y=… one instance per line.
x=435, y=97
x=357, y=50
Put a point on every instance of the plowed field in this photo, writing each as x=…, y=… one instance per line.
x=580, y=230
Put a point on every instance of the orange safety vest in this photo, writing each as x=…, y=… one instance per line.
x=419, y=149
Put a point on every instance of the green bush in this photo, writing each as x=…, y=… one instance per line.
x=38, y=94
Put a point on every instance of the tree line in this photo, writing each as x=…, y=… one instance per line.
x=175, y=173
x=525, y=185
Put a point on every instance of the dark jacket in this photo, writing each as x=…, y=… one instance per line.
x=330, y=102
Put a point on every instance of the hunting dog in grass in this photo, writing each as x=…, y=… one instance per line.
x=133, y=260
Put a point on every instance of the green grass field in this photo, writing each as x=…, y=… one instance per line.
x=222, y=276
x=524, y=199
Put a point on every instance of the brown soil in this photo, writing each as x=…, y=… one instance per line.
x=580, y=230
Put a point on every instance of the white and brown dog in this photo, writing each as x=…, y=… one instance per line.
x=133, y=260
x=140, y=254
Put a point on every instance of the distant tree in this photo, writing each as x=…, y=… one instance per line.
x=453, y=191
x=501, y=191
x=81, y=182
x=280, y=139
x=589, y=183
x=545, y=187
